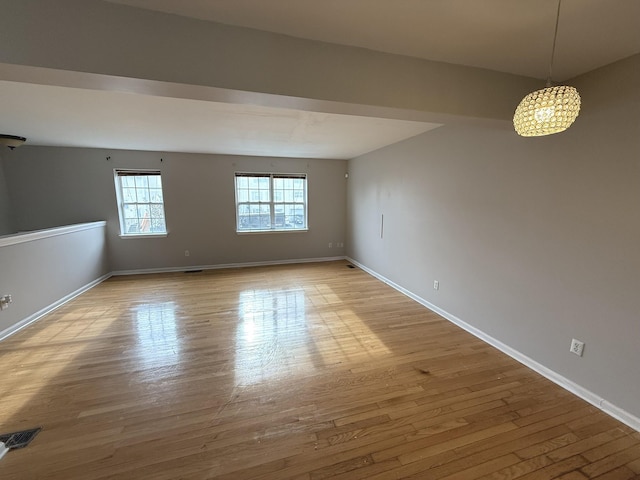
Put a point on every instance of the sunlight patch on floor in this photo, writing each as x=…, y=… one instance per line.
x=272, y=336
x=288, y=332
x=157, y=341
x=38, y=363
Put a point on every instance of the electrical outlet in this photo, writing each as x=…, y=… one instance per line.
x=5, y=301
x=436, y=285
x=330, y=244
x=186, y=253
x=577, y=347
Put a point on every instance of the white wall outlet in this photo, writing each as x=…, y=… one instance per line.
x=5, y=301
x=187, y=253
x=330, y=244
x=436, y=285
x=577, y=347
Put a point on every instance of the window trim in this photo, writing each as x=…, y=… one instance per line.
x=272, y=203
x=126, y=172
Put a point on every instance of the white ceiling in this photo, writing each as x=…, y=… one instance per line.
x=74, y=117
x=505, y=35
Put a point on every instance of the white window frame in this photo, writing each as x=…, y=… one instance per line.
x=272, y=203
x=120, y=173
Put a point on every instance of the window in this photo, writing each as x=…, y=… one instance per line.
x=271, y=202
x=140, y=202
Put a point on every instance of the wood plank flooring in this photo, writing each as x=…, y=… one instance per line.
x=304, y=372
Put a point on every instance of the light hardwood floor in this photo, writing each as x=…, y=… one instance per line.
x=302, y=372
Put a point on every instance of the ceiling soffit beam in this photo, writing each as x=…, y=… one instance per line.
x=119, y=41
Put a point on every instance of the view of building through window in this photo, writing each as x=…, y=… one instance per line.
x=140, y=202
x=267, y=202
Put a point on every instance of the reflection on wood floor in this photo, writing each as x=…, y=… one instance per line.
x=289, y=372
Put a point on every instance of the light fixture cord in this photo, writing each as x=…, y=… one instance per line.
x=553, y=48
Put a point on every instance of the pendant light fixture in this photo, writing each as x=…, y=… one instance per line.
x=550, y=110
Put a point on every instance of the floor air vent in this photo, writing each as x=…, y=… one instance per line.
x=350, y=266
x=19, y=439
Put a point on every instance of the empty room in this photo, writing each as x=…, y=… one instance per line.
x=297, y=239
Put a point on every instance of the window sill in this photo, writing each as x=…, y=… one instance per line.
x=143, y=235
x=262, y=232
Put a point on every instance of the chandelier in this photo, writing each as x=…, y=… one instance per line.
x=549, y=110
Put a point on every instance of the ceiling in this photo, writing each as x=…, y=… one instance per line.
x=511, y=36
x=73, y=117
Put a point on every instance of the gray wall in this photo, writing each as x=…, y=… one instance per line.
x=6, y=225
x=39, y=273
x=61, y=186
x=534, y=241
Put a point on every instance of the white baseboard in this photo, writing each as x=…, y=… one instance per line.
x=36, y=316
x=599, y=402
x=225, y=265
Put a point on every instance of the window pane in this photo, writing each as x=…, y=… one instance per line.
x=141, y=203
x=131, y=226
x=158, y=226
x=142, y=181
x=154, y=181
x=156, y=195
x=129, y=211
x=129, y=195
x=143, y=211
x=243, y=196
x=258, y=209
x=128, y=181
x=156, y=211
x=143, y=195
x=265, y=210
x=279, y=217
